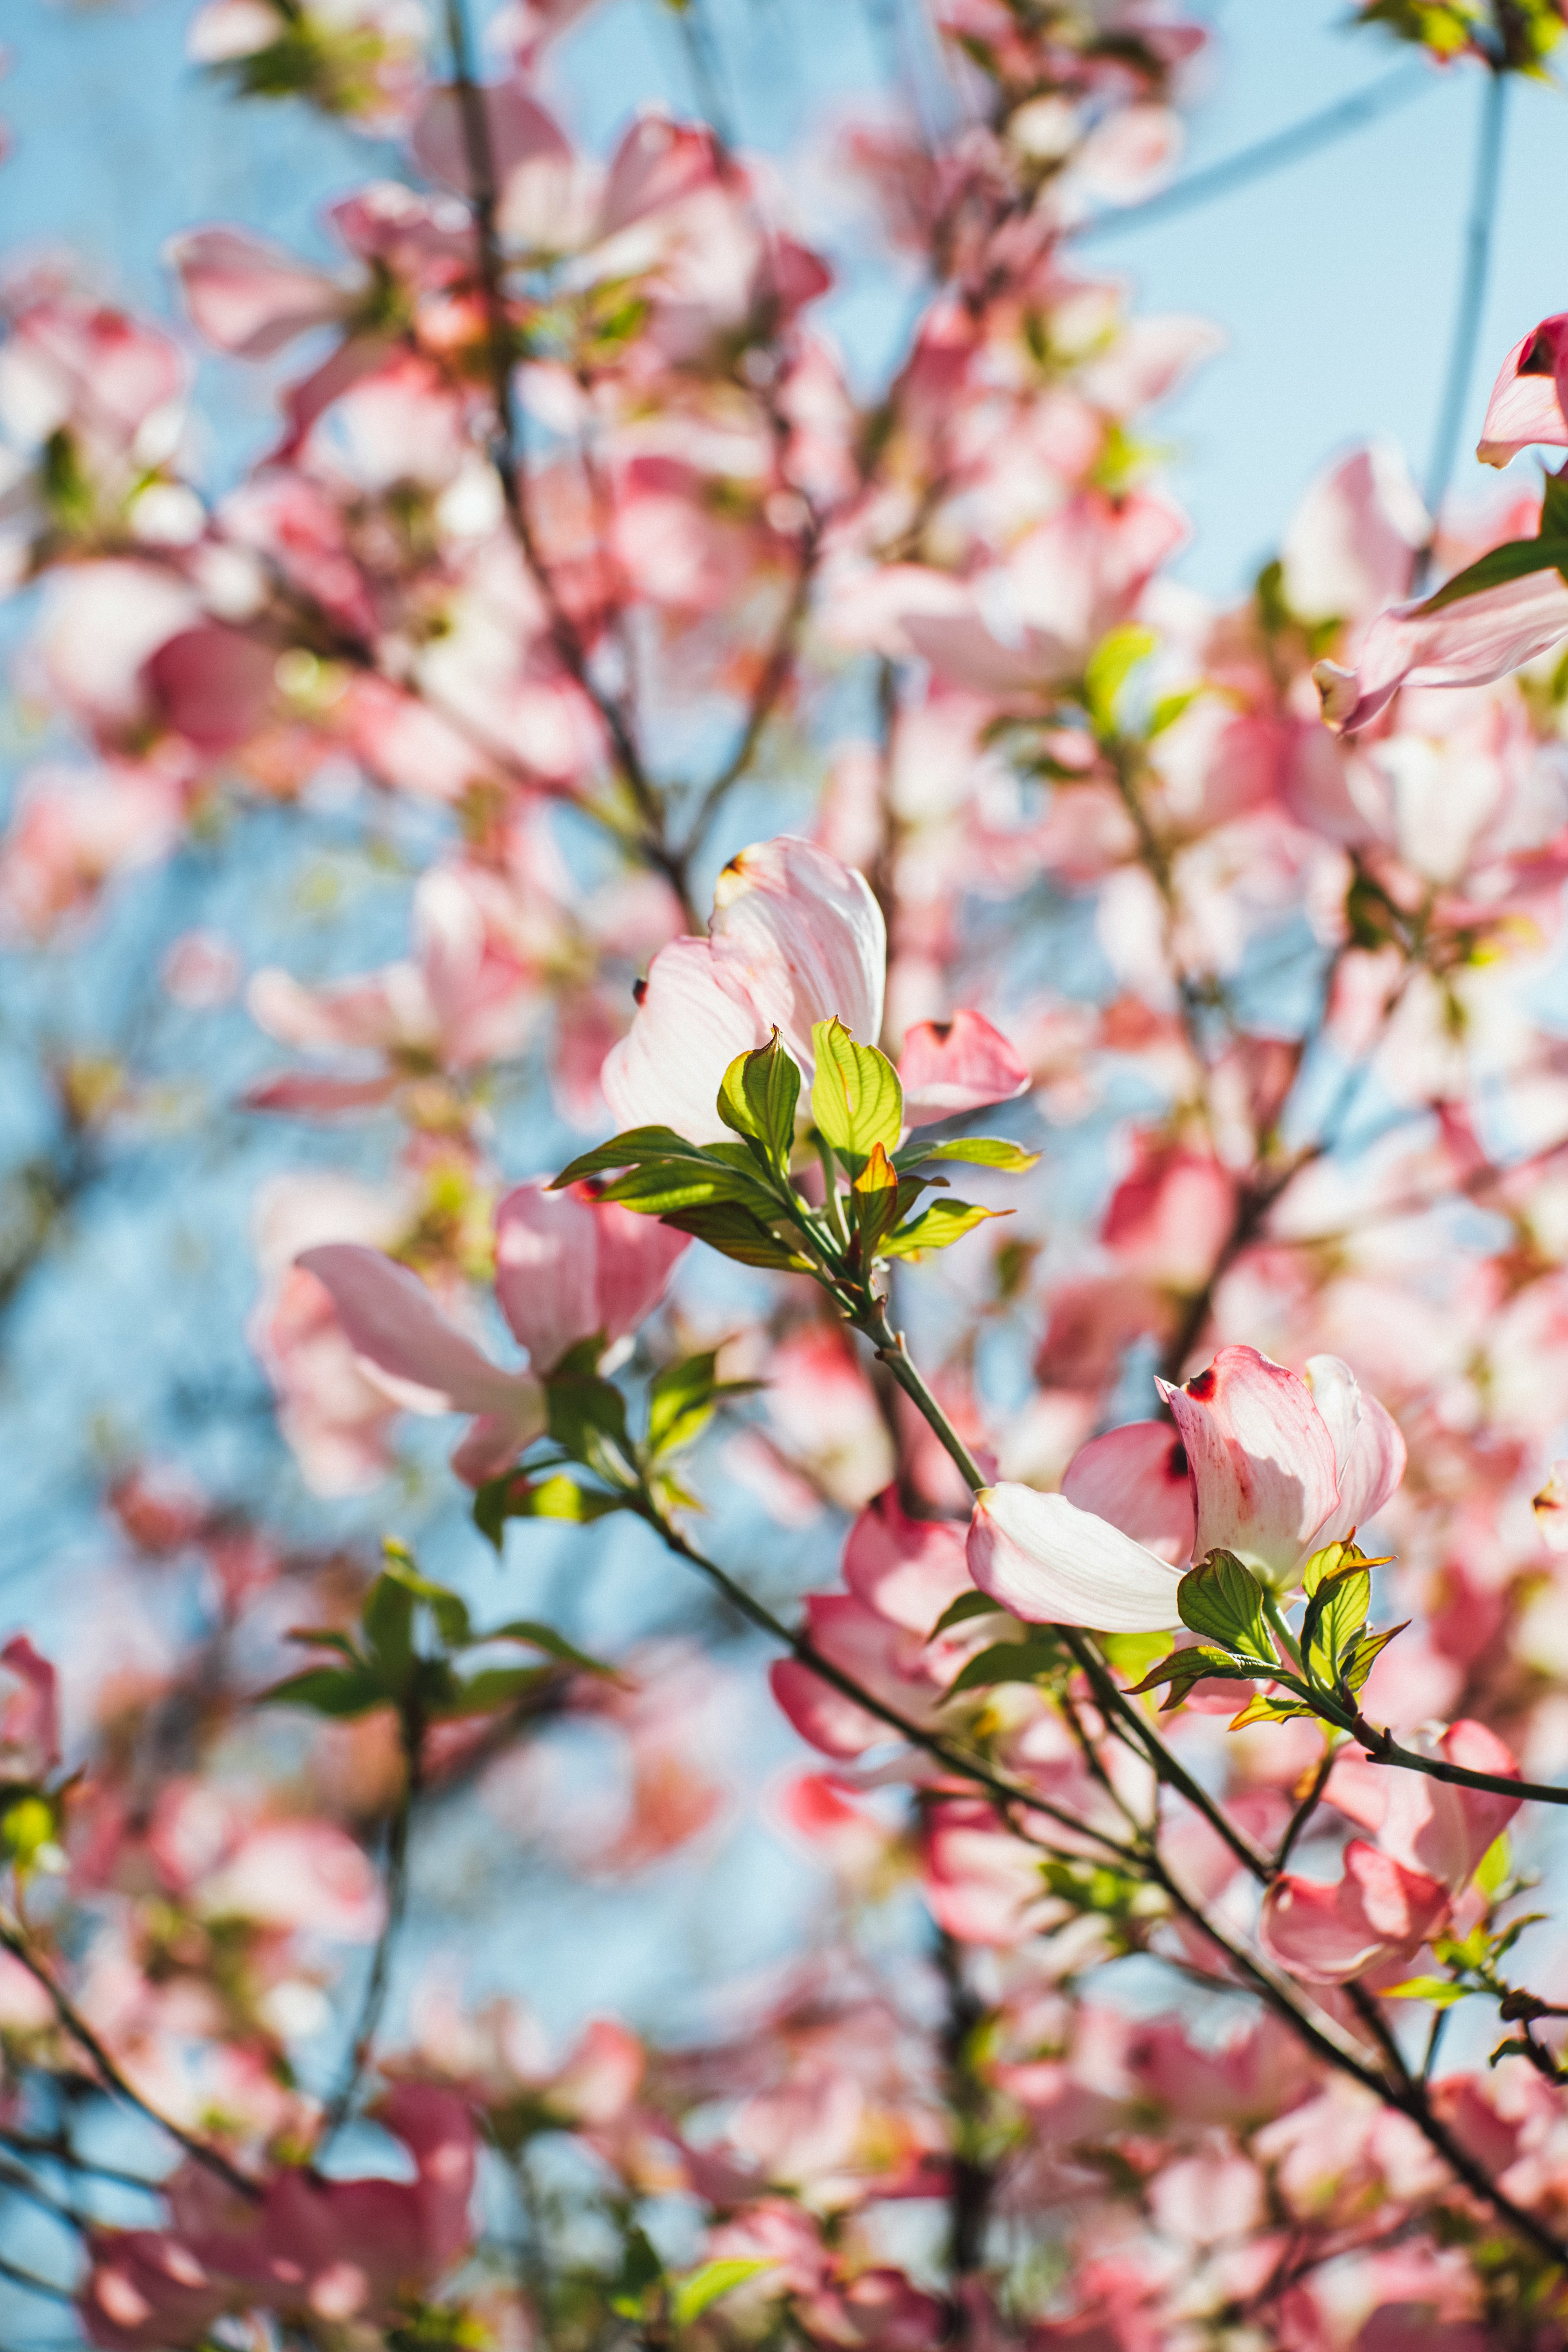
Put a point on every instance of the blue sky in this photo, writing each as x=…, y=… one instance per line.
x=1334, y=280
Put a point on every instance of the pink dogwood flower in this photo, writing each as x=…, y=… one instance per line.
x=796, y=938
x=568, y=1269
x=1392, y=1895
x=318, y=2252
x=1277, y=1465
x=1526, y=409
x=1470, y=642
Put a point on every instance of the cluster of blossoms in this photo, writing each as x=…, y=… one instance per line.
x=1175, y=1988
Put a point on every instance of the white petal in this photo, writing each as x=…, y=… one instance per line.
x=1053, y=1564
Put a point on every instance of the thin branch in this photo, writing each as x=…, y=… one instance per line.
x=1305, y=1809
x=506, y=452
x=17, y=1943
x=379, y=1979
x=1478, y=229
x=1270, y=154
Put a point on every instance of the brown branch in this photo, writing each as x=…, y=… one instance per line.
x=17, y=1943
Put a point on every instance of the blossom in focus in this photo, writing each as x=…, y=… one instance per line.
x=1277, y=1466
x=796, y=938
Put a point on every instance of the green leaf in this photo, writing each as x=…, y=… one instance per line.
x=1437, y=1990
x=1554, y=504
x=682, y=1400
x=1336, y=1616
x=983, y=1151
x=321, y=1638
x=875, y=1195
x=1110, y=666
x=515, y=1495
x=944, y=1222
x=1263, y=1708
x=1515, y=560
x=1131, y=1654
x=388, y=1619
x=1494, y=1867
x=491, y=1688
x=449, y=1609
x=1169, y=708
x=660, y=1186
x=1225, y=1600
x=701, y=2288
x=856, y=1099
x=959, y=1613
x=1183, y=1668
x=735, y=1232
x=545, y=1638
x=629, y=1150
x=758, y=1096
x=1358, y=1665
x=587, y=1416
x=329, y=1690
x=1008, y=1662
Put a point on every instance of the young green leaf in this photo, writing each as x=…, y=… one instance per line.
x=1336, y=1616
x=1358, y=1665
x=980, y=1151
x=959, y=1613
x=682, y=1400
x=338, y=1692
x=1224, y=1600
x=544, y=1637
x=875, y=1195
x=449, y=1609
x=1008, y=1662
x=515, y=1495
x=388, y=1621
x=1183, y=1668
x=587, y=1416
x=1437, y=1990
x=701, y=2288
x=735, y=1233
x=944, y=1222
x=757, y=1098
x=856, y=1099
x=1109, y=666
x=633, y=1149
x=1263, y=1708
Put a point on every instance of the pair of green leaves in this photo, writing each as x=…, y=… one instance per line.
x=1223, y=1601
x=589, y=1430
x=647, y=2293
x=412, y=1635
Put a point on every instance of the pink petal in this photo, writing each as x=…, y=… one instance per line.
x=300, y=1096
x=955, y=1065
x=1053, y=1564
x=1349, y=550
x=858, y=1642
x=667, y=1069
x=1378, y=1911
x=248, y=296
x=392, y=1322
x=568, y=1266
x=1136, y=1477
x=1468, y=643
x=1526, y=406
x=656, y=164
x=800, y=937
x=1369, y=1452
x=1261, y=1457
x=213, y=684
x=906, y=1570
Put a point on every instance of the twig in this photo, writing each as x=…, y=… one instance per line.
x=1467, y=318
x=1270, y=154
x=81, y=2034
x=380, y=1976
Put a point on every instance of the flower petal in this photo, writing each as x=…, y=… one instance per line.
x=1369, y=1452
x=1468, y=643
x=1053, y=1564
x=1526, y=406
x=957, y=1064
x=1137, y=1478
x=392, y=1322
x=800, y=936
x=569, y=1267
x=1262, y=1460
x=667, y=1069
